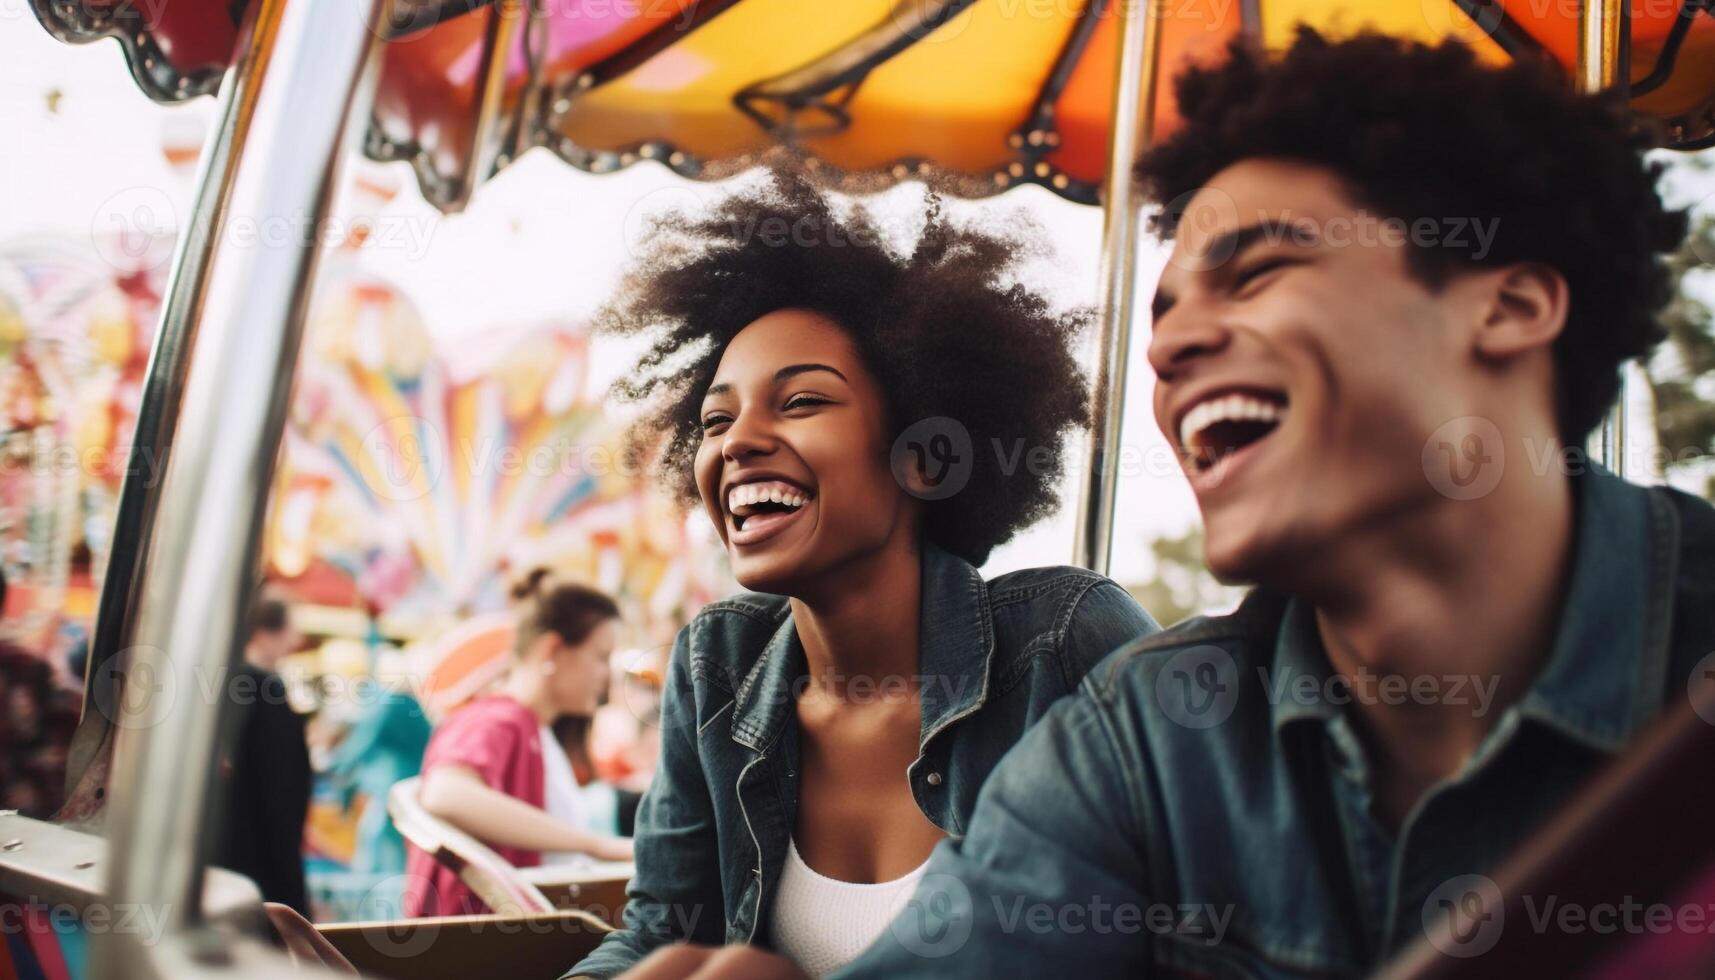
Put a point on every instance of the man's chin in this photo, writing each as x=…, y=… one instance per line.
x=1234, y=558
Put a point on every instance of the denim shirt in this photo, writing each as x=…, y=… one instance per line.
x=712, y=831
x=1202, y=805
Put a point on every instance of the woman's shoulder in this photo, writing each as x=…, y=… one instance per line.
x=1048, y=584
x=1082, y=614
x=731, y=632
x=488, y=711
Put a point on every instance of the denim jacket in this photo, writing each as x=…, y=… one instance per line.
x=1201, y=806
x=712, y=831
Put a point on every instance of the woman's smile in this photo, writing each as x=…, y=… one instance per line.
x=759, y=508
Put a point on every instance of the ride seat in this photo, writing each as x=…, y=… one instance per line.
x=494, y=879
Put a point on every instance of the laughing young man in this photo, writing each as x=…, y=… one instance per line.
x=1401, y=290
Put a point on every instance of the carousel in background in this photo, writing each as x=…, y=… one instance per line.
x=74, y=342
x=416, y=480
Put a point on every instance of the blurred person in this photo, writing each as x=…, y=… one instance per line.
x=1459, y=620
x=494, y=768
x=38, y=716
x=267, y=770
x=863, y=426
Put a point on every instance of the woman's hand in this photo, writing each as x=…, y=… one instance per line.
x=612, y=849
x=458, y=795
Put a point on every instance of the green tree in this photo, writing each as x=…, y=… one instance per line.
x=1180, y=587
x=1682, y=373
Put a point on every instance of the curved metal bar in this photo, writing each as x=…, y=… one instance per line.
x=1599, y=39
x=484, y=148
x=1133, y=123
x=157, y=416
x=314, y=62
x=154, y=73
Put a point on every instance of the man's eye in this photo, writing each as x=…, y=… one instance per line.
x=1259, y=270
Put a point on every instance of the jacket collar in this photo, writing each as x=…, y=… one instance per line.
x=1606, y=672
x=956, y=648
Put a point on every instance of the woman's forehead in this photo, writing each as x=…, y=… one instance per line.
x=781, y=339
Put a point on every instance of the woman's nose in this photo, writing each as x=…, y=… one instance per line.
x=749, y=435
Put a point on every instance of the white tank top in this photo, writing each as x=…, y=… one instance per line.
x=822, y=924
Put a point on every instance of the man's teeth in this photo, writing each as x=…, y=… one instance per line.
x=1228, y=408
x=751, y=494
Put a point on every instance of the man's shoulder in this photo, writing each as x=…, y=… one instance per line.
x=1247, y=633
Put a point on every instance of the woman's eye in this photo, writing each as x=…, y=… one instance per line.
x=804, y=401
x=713, y=422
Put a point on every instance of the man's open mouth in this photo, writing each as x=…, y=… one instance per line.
x=764, y=503
x=1221, y=426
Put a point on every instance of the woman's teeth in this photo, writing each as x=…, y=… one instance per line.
x=749, y=498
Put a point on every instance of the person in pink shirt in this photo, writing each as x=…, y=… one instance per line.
x=486, y=767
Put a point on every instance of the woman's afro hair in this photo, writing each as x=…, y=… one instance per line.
x=1418, y=131
x=946, y=329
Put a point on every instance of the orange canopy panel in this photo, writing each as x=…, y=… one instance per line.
x=982, y=94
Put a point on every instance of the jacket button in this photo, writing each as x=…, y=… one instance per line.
x=934, y=779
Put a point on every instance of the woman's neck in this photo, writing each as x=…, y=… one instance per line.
x=867, y=628
x=524, y=685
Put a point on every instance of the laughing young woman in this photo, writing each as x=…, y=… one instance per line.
x=863, y=427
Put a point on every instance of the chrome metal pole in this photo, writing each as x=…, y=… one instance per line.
x=314, y=64
x=1601, y=24
x=163, y=387
x=1139, y=59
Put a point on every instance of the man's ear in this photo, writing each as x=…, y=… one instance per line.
x=1525, y=310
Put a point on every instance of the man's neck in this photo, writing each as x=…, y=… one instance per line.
x=1461, y=600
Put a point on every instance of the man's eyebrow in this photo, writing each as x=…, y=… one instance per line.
x=1229, y=245
x=785, y=373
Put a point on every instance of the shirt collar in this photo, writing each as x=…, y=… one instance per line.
x=1606, y=671
x=956, y=644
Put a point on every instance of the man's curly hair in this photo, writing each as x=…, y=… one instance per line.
x=946, y=329
x=1419, y=131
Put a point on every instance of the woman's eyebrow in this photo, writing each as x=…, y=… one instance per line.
x=789, y=371
x=793, y=370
